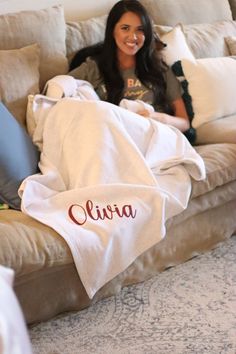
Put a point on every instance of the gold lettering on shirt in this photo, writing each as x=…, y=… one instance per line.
x=138, y=95
x=133, y=83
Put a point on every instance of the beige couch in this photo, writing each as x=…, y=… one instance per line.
x=47, y=282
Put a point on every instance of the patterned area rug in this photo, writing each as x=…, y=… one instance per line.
x=190, y=308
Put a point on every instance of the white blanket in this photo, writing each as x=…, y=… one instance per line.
x=14, y=338
x=110, y=180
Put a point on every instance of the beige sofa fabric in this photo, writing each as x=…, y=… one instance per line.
x=207, y=40
x=81, y=34
x=19, y=76
x=171, y=12
x=47, y=28
x=218, y=131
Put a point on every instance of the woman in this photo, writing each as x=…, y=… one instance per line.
x=128, y=64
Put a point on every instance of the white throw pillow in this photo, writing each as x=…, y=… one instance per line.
x=217, y=131
x=211, y=85
x=177, y=47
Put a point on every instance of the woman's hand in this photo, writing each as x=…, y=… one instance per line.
x=161, y=117
x=180, y=121
x=144, y=113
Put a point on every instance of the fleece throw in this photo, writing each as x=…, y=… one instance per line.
x=14, y=338
x=109, y=181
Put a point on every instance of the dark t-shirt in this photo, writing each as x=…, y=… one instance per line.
x=133, y=90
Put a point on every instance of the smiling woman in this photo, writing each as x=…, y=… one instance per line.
x=129, y=64
x=129, y=37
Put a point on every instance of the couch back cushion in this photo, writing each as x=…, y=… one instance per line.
x=19, y=76
x=171, y=12
x=45, y=27
x=80, y=34
x=208, y=39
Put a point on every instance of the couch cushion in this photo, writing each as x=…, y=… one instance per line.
x=81, y=34
x=45, y=27
x=19, y=73
x=37, y=246
x=206, y=40
x=220, y=162
x=222, y=130
x=171, y=12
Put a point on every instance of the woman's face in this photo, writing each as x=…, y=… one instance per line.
x=128, y=34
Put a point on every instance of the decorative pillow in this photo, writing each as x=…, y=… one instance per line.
x=206, y=40
x=177, y=47
x=231, y=43
x=47, y=28
x=84, y=33
x=161, y=30
x=209, y=87
x=19, y=73
x=18, y=157
x=170, y=12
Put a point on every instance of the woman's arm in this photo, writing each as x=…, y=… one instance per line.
x=180, y=120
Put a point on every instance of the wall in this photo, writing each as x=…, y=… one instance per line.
x=74, y=9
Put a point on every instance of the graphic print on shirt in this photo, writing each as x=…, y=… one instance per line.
x=134, y=89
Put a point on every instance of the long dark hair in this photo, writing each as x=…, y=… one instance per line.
x=150, y=68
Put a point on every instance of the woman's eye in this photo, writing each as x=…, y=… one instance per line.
x=125, y=28
x=140, y=29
